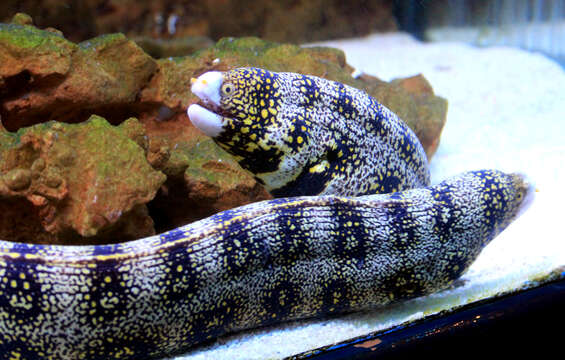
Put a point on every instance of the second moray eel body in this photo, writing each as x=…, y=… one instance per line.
x=272, y=261
x=256, y=265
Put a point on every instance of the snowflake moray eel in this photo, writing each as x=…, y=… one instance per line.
x=342, y=248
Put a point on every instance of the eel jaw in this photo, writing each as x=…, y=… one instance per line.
x=203, y=116
x=205, y=120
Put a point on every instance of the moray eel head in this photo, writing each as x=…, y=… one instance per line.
x=506, y=197
x=207, y=88
x=524, y=194
x=304, y=135
x=241, y=110
x=234, y=100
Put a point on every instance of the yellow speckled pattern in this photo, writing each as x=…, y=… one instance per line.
x=255, y=265
x=304, y=135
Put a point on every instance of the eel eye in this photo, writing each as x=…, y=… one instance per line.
x=227, y=89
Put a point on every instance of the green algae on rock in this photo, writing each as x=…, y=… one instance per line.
x=82, y=179
x=39, y=52
x=49, y=78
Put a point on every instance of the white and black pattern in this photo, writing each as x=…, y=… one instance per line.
x=255, y=265
x=304, y=135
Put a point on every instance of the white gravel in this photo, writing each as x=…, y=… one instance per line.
x=506, y=111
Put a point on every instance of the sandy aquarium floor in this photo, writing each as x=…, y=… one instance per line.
x=506, y=111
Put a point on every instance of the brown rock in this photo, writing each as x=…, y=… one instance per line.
x=22, y=19
x=106, y=74
x=431, y=111
x=58, y=80
x=85, y=183
x=17, y=179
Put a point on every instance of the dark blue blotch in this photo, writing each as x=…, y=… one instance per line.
x=403, y=225
x=105, y=249
x=496, y=215
x=310, y=93
x=272, y=299
x=391, y=184
x=444, y=222
x=306, y=183
x=350, y=225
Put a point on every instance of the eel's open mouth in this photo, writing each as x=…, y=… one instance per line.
x=207, y=115
x=213, y=108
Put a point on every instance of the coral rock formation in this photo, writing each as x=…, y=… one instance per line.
x=79, y=179
x=45, y=77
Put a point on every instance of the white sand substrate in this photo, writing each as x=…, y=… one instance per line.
x=506, y=111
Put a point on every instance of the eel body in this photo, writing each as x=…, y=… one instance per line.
x=304, y=135
x=257, y=265
x=263, y=263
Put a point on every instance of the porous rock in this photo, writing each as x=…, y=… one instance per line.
x=51, y=78
x=75, y=183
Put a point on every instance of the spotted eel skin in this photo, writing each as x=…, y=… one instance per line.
x=303, y=135
x=263, y=263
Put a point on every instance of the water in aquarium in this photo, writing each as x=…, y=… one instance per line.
x=151, y=152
